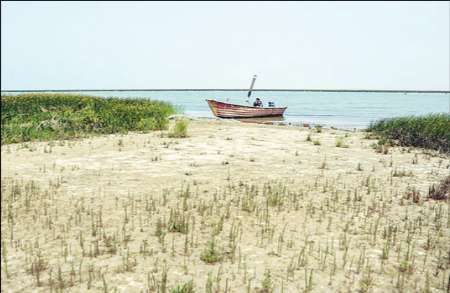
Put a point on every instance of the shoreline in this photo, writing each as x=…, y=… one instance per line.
x=270, y=121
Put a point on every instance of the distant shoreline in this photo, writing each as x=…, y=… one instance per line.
x=223, y=90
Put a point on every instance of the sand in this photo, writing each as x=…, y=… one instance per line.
x=270, y=199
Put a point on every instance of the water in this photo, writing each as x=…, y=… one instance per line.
x=338, y=109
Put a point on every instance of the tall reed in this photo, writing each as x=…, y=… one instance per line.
x=47, y=116
x=430, y=131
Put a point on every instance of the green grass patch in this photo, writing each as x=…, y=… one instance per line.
x=37, y=117
x=430, y=131
x=180, y=129
x=184, y=288
x=211, y=254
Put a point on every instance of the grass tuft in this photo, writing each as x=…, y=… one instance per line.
x=184, y=288
x=441, y=191
x=180, y=129
x=340, y=143
x=211, y=254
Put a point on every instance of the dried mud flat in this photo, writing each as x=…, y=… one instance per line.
x=233, y=208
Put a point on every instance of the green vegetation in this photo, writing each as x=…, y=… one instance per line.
x=184, y=288
x=211, y=254
x=441, y=191
x=267, y=283
x=180, y=129
x=431, y=131
x=340, y=143
x=31, y=117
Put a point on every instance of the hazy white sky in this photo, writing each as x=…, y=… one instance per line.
x=327, y=45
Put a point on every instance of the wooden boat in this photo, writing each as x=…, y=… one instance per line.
x=226, y=110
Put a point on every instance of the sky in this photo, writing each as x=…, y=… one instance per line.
x=289, y=45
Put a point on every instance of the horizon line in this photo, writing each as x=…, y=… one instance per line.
x=253, y=90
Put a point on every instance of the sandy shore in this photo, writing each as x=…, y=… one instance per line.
x=270, y=199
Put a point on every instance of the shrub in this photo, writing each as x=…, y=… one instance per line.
x=430, y=131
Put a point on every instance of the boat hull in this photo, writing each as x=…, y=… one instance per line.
x=226, y=110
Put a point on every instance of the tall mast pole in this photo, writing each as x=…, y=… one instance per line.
x=251, y=87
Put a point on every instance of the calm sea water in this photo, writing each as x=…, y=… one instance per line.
x=338, y=109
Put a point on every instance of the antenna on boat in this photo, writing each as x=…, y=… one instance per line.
x=251, y=87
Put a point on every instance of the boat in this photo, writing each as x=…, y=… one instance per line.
x=227, y=110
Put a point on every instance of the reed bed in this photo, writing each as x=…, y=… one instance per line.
x=430, y=131
x=30, y=117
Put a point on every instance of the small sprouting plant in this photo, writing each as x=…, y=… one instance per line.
x=128, y=264
x=211, y=253
x=267, y=283
x=180, y=129
x=187, y=287
x=406, y=267
x=316, y=142
x=402, y=173
x=178, y=222
x=382, y=146
x=105, y=284
x=37, y=266
x=366, y=281
x=440, y=191
x=209, y=284
x=163, y=284
x=308, y=138
x=415, y=160
x=340, y=143
x=323, y=165
x=5, y=260
x=414, y=195
x=308, y=280
x=359, y=167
